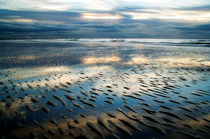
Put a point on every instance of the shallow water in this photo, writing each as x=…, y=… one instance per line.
x=105, y=88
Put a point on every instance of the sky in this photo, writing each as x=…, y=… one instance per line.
x=105, y=19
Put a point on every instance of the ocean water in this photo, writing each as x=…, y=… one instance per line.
x=105, y=88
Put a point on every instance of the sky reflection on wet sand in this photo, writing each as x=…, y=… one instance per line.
x=161, y=90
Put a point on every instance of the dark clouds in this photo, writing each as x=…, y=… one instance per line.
x=51, y=24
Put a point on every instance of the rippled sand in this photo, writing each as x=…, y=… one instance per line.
x=104, y=89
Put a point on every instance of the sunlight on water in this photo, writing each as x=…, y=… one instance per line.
x=96, y=60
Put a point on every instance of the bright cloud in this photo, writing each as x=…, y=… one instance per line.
x=144, y=9
x=18, y=20
x=101, y=16
x=165, y=3
x=100, y=5
x=169, y=14
x=54, y=5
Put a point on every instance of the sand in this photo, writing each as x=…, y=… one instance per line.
x=104, y=89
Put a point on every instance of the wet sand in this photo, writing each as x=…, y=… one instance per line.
x=104, y=89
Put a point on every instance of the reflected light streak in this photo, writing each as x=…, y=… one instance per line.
x=139, y=60
x=21, y=73
x=95, y=60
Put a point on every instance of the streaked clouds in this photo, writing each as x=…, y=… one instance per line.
x=18, y=20
x=106, y=18
x=101, y=16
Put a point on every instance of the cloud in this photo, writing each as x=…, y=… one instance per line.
x=166, y=3
x=32, y=5
x=197, y=8
x=52, y=5
x=171, y=14
x=202, y=27
x=18, y=20
x=95, y=5
x=101, y=16
x=120, y=21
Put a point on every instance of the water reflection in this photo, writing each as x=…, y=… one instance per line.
x=139, y=60
x=97, y=60
x=125, y=92
x=10, y=111
x=110, y=126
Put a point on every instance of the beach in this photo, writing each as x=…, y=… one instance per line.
x=105, y=88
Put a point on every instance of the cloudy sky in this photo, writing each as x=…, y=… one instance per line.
x=104, y=19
